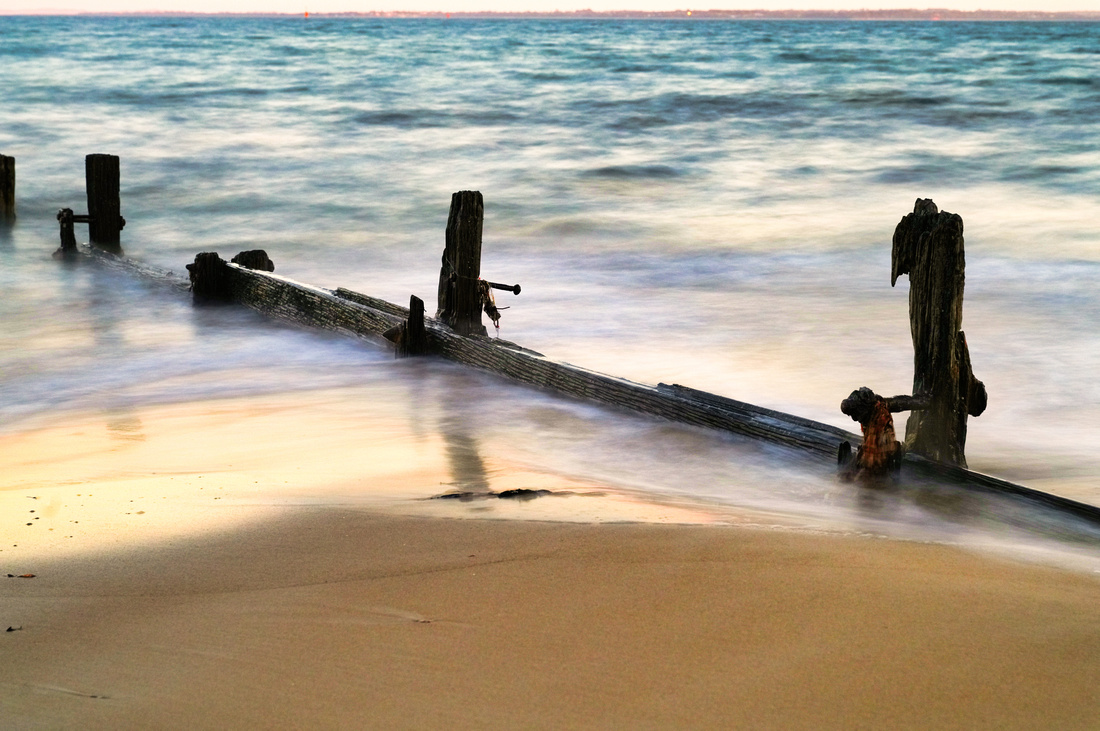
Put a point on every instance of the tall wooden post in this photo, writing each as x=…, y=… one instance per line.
x=459, y=295
x=101, y=172
x=7, y=189
x=928, y=246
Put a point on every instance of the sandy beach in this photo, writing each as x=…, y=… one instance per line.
x=210, y=519
x=336, y=618
x=183, y=581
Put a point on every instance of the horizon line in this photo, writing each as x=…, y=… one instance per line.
x=748, y=14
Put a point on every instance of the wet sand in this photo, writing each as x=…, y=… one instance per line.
x=191, y=572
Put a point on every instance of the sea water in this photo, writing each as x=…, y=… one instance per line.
x=705, y=203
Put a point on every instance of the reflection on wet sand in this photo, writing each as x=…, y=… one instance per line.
x=467, y=468
x=469, y=477
x=125, y=426
x=155, y=474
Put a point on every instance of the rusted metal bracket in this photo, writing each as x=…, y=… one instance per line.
x=880, y=453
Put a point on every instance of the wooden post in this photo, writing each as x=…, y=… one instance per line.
x=928, y=246
x=102, y=176
x=416, y=337
x=68, y=238
x=210, y=280
x=410, y=337
x=7, y=190
x=254, y=259
x=459, y=296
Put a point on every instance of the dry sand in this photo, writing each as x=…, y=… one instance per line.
x=183, y=581
x=330, y=618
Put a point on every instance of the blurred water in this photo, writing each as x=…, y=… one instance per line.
x=703, y=203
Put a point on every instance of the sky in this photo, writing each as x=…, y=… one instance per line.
x=322, y=6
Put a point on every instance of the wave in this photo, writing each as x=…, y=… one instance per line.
x=428, y=118
x=633, y=172
x=1068, y=81
x=682, y=108
x=889, y=98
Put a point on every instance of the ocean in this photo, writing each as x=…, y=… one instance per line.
x=705, y=203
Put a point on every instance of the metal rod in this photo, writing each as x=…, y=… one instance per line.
x=513, y=288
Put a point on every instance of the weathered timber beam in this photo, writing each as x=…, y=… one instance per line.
x=357, y=314
x=293, y=301
x=829, y=435
x=915, y=464
x=403, y=313
x=114, y=262
x=349, y=312
x=373, y=302
x=360, y=314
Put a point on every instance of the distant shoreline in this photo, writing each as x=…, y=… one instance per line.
x=931, y=14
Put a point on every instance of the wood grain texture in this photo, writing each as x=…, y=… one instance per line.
x=7, y=189
x=359, y=315
x=460, y=298
x=928, y=246
x=102, y=174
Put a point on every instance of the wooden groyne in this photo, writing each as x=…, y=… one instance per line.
x=361, y=315
x=352, y=313
x=358, y=314
x=456, y=334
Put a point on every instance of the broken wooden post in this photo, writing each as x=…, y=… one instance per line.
x=255, y=259
x=928, y=246
x=410, y=338
x=416, y=337
x=209, y=279
x=66, y=218
x=7, y=190
x=460, y=298
x=68, y=238
x=105, y=221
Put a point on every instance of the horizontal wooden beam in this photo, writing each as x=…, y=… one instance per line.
x=361, y=315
